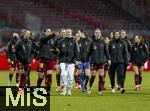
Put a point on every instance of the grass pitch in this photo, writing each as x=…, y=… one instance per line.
x=130, y=101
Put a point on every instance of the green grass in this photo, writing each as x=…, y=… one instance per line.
x=130, y=101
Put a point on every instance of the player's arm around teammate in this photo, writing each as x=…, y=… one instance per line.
x=45, y=65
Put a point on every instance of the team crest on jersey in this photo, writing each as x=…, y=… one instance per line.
x=13, y=48
x=120, y=45
x=86, y=43
x=102, y=45
x=64, y=45
x=141, y=47
x=113, y=46
x=135, y=49
x=95, y=47
x=52, y=42
x=70, y=43
x=79, y=45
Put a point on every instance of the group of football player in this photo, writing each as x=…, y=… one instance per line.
x=78, y=57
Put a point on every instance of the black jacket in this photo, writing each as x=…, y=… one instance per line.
x=128, y=44
x=52, y=46
x=44, y=48
x=68, y=50
x=56, y=43
x=84, y=49
x=118, y=51
x=11, y=50
x=99, y=53
x=35, y=47
x=139, y=54
x=24, y=51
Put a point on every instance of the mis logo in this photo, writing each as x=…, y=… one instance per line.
x=10, y=96
x=33, y=99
